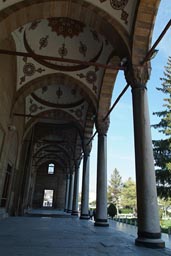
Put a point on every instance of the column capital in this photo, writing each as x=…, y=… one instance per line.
x=103, y=126
x=87, y=146
x=138, y=75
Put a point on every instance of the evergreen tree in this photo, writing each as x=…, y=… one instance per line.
x=114, y=188
x=128, y=194
x=162, y=148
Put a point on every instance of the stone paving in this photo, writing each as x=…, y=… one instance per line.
x=47, y=236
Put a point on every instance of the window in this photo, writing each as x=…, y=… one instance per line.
x=51, y=168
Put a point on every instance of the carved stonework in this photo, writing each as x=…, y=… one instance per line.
x=137, y=76
x=87, y=146
x=103, y=126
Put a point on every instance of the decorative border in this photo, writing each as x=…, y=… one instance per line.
x=54, y=105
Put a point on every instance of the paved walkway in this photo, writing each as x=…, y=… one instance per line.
x=68, y=236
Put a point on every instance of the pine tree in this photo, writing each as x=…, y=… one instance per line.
x=114, y=188
x=162, y=148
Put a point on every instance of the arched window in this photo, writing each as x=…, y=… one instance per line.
x=51, y=168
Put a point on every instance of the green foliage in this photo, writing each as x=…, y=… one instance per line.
x=126, y=210
x=112, y=211
x=162, y=148
x=128, y=194
x=166, y=223
x=114, y=188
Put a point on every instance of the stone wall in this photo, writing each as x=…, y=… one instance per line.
x=56, y=182
x=11, y=129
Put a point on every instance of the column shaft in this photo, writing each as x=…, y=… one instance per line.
x=148, y=218
x=101, y=194
x=67, y=192
x=76, y=193
x=85, y=189
x=71, y=188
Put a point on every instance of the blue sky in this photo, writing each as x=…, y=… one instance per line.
x=120, y=149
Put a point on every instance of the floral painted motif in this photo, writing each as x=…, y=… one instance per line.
x=44, y=89
x=119, y=5
x=63, y=51
x=78, y=112
x=59, y=93
x=91, y=78
x=34, y=108
x=66, y=27
x=83, y=49
x=29, y=69
x=43, y=42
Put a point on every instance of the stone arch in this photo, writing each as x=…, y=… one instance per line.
x=106, y=93
x=43, y=160
x=24, y=12
x=63, y=149
x=143, y=29
x=61, y=114
x=37, y=83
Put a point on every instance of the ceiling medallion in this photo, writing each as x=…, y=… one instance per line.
x=66, y=27
x=90, y=77
x=29, y=69
x=33, y=108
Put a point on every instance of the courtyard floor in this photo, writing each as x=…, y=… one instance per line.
x=70, y=236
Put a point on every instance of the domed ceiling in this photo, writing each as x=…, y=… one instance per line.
x=63, y=37
x=69, y=40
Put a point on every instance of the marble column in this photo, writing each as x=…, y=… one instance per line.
x=85, y=188
x=76, y=192
x=67, y=192
x=71, y=188
x=149, y=233
x=101, y=218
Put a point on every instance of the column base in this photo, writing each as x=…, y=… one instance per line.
x=69, y=211
x=74, y=213
x=101, y=223
x=84, y=217
x=150, y=243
